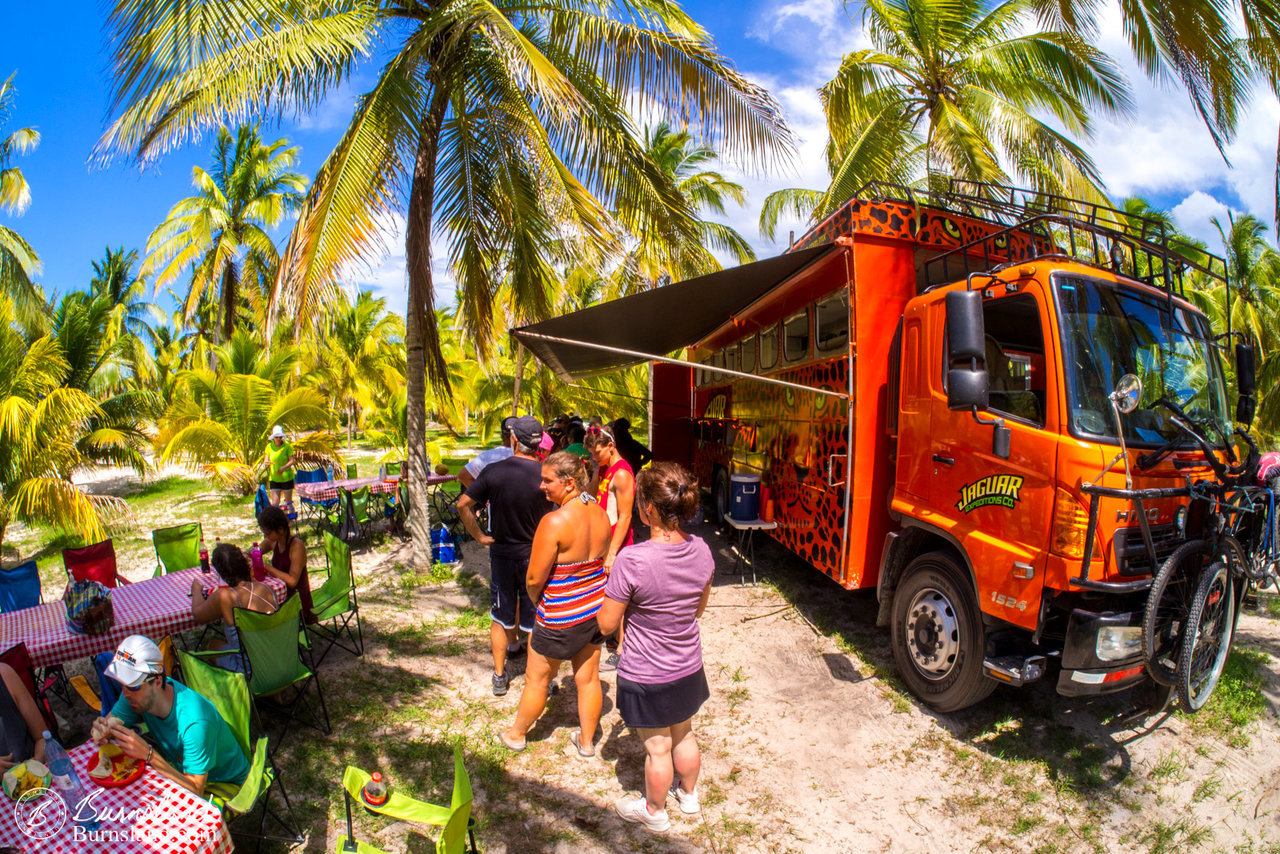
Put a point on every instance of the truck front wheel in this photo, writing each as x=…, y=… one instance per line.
x=938, y=637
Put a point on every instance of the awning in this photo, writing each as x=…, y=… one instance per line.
x=655, y=322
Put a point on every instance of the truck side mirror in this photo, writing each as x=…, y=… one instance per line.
x=1246, y=406
x=968, y=385
x=1246, y=370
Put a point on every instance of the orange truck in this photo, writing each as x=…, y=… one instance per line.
x=925, y=385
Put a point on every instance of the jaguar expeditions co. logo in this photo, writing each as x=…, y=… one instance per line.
x=40, y=813
x=997, y=490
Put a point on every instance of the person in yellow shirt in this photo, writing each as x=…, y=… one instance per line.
x=280, y=471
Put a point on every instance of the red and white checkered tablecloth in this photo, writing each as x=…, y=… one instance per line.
x=151, y=815
x=327, y=490
x=155, y=608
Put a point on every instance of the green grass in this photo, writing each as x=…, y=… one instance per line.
x=1238, y=700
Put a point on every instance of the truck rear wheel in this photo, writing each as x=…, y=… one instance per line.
x=720, y=496
x=938, y=638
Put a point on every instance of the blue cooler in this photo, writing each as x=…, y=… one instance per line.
x=744, y=497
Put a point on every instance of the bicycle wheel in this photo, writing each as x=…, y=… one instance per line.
x=1168, y=603
x=1208, y=637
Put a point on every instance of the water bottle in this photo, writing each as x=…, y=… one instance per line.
x=204, y=556
x=67, y=782
x=255, y=560
x=375, y=791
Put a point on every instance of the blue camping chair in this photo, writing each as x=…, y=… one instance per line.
x=261, y=501
x=19, y=587
x=315, y=510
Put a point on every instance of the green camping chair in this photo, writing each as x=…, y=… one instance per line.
x=177, y=548
x=229, y=693
x=334, y=602
x=360, y=500
x=454, y=820
x=390, y=469
x=351, y=471
x=278, y=677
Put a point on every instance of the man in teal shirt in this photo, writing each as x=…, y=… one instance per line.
x=194, y=745
x=280, y=473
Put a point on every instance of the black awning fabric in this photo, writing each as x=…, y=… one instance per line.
x=657, y=321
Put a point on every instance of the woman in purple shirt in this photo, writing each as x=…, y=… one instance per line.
x=662, y=586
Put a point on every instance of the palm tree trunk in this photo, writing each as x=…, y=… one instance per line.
x=420, y=332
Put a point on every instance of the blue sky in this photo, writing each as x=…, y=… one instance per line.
x=77, y=208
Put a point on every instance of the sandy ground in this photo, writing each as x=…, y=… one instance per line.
x=807, y=747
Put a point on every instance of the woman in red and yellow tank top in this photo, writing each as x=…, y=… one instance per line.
x=615, y=488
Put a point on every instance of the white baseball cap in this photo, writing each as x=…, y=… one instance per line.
x=137, y=658
x=277, y=431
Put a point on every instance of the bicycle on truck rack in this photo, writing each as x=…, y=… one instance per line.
x=1193, y=604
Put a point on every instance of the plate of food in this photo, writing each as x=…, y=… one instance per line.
x=24, y=777
x=111, y=767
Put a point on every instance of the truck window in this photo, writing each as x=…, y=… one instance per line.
x=795, y=338
x=748, y=352
x=730, y=362
x=768, y=348
x=832, y=324
x=1014, y=340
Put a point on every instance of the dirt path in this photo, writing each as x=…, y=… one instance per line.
x=808, y=746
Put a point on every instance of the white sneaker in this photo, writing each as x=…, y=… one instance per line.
x=688, y=801
x=637, y=810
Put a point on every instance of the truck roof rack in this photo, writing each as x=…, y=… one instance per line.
x=1138, y=247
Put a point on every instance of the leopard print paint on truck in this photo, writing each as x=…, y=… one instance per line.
x=788, y=437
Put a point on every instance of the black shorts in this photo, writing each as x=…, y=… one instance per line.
x=506, y=588
x=661, y=704
x=281, y=485
x=563, y=644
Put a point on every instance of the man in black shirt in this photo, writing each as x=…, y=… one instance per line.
x=512, y=489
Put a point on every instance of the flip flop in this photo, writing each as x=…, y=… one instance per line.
x=500, y=740
x=575, y=740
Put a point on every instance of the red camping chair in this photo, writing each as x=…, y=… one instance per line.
x=93, y=563
x=19, y=659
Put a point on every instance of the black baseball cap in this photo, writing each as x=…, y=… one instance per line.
x=527, y=430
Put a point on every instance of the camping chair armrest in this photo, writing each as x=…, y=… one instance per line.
x=215, y=653
x=82, y=687
x=397, y=806
x=318, y=605
x=255, y=783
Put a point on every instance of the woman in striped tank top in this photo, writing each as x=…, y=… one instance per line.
x=566, y=578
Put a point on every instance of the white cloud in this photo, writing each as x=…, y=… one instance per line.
x=1165, y=149
x=1193, y=213
x=816, y=32
x=387, y=273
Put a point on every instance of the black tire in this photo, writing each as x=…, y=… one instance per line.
x=1168, y=604
x=938, y=637
x=1208, y=637
x=720, y=496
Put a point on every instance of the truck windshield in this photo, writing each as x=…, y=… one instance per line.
x=1108, y=331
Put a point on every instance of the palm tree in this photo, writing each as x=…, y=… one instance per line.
x=116, y=434
x=220, y=234
x=41, y=424
x=18, y=261
x=223, y=423
x=679, y=245
x=959, y=89
x=362, y=356
x=507, y=125
x=114, y=278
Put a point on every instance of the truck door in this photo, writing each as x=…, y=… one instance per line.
x=1001, y=510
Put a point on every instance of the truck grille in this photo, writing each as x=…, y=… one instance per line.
x=1131, y=555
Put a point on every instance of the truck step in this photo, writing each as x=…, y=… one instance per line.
x=1014, y=669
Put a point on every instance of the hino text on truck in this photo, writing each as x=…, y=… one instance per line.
x=998, y=410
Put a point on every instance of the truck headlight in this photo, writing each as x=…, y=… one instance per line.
x=1117, y=643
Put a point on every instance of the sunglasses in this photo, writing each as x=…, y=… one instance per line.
x=600, y=431
x=138, y=687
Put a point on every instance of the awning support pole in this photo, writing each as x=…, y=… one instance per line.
x=635, y=354
x=515, y=398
